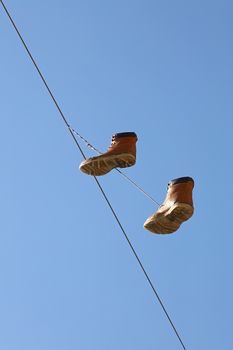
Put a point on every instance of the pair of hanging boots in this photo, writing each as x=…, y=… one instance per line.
x=178, y=204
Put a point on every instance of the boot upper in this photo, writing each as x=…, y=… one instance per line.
x=178, y=191
x=123, y=143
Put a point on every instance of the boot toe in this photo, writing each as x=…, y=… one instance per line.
x=161, y=224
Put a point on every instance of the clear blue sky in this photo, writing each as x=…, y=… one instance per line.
x=163, y=69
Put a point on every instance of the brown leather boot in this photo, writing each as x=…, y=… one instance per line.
x=121, y=154
x=177, y=207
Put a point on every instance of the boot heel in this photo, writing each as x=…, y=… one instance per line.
x=124, y=160
x=180, y=212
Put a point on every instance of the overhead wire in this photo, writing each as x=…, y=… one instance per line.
x=96, y=180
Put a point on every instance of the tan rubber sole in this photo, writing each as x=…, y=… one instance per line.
x=101, y=165
x=170, y=221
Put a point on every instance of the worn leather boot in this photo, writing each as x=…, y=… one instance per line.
x=177, y=207
x=121, y=154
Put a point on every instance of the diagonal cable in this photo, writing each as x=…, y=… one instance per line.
x=97, y=182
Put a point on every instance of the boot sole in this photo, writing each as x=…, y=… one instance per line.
x=101, y=165
x=171, y=220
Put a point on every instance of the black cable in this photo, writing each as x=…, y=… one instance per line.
x=98, y=184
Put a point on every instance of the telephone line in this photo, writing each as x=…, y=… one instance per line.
x=97, y=182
